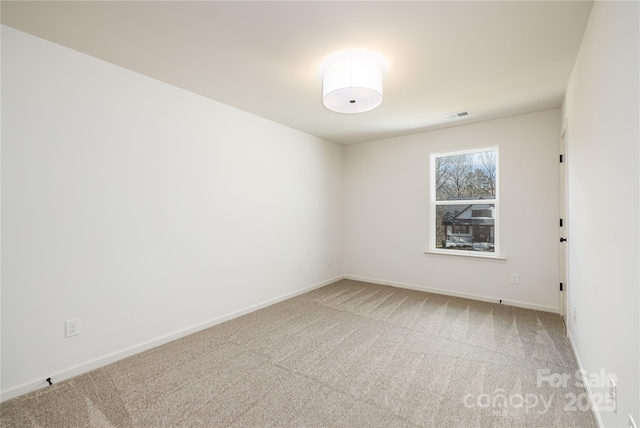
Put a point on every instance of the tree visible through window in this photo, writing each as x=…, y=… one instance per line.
x=464, y=201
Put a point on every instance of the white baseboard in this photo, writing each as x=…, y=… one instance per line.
x=585, y=382
x=124, y=353
x=79, y=369
x=456, y=294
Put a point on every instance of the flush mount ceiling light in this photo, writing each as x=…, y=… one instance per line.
x=352, y=81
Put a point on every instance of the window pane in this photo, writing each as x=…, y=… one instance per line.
x=465, y=227
x=466, y=176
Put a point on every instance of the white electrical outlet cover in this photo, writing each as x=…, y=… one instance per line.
x=72, y=327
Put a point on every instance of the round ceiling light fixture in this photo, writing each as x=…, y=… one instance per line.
x=352, y=81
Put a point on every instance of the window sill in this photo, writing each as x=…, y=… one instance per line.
x=458, y=254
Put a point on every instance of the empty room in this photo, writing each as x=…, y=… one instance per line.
x=320, y=214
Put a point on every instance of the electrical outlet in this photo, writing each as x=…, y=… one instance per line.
x=632, y=423
x=72, y=327
x=613, y=394
x=329, y=262
x=515, y=278
x=573, y=313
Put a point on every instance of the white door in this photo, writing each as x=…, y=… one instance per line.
x=563, y=238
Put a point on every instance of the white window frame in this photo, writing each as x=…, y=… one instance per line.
x=495, y=254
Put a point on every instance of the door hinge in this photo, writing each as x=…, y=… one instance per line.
x=561, y=158
x=560, y=222
x=560, y=286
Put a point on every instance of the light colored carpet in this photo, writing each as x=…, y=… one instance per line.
x=350, y=354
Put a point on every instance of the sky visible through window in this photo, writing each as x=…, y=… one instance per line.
x=466, y=176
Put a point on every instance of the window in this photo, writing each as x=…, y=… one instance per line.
x=481, y=213
x=460, y=229
x=464, y=202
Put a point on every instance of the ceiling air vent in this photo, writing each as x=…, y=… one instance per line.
x=457, y=114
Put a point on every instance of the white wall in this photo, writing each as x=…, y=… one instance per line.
x=387, y=207
x=602, y=112
x=144, y=210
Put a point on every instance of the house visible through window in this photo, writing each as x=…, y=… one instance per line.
x=464, y=201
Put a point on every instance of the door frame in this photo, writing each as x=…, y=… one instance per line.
x=564, y=228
